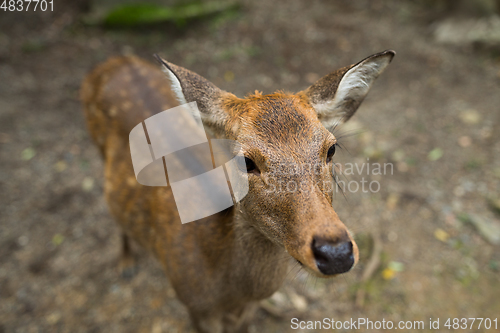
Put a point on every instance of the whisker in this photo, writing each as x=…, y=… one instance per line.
x=343, y=147
x=291, y=270
x=350, y=133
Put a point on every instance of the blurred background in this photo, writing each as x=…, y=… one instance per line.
x=429, y=239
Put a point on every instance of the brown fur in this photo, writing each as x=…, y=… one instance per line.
x=219, y=266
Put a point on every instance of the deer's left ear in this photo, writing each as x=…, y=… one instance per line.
x=337, y=96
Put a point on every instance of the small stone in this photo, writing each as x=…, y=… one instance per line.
x=451, y=220
x=471, y=31
x=470, y=117
x=398, y=155
x=53, y=318
x=464, y=141
x=486, y=133
x=402, y=166
x=23, y=240
x=489, y=229
x=311, y=77
x=60, y=166
x=298, y=301
x=87, y=184
x=156, y=328
x=278, y=298
x=392, y=201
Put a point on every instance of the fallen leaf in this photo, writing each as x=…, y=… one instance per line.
x=388, y=274
x=396, y=266
x=435, y=154
x=28, y=154
x=57, y=239
x=441, y=235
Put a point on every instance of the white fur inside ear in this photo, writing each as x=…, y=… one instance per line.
x=354, y=86
x=175, y=85
x=356, y=82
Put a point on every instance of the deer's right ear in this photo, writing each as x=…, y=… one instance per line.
x=191, y=87
x=337, y=96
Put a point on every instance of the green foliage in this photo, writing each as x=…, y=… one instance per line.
x=473, y=164
x=137, y=14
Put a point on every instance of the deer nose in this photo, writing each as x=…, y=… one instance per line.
x=332, y=257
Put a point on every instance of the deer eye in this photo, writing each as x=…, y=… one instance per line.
x=249, y=166
x=330, y=153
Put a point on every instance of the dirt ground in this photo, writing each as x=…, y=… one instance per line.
x=434, y=114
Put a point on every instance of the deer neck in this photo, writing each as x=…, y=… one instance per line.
x=260, y=263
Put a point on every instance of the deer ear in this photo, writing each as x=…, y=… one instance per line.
x=337, y=96
x=191, y=87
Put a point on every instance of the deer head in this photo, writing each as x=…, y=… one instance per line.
x=289, y=148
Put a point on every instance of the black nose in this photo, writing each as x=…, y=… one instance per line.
x=332, y=257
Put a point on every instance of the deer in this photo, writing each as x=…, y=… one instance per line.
x=223, y=265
